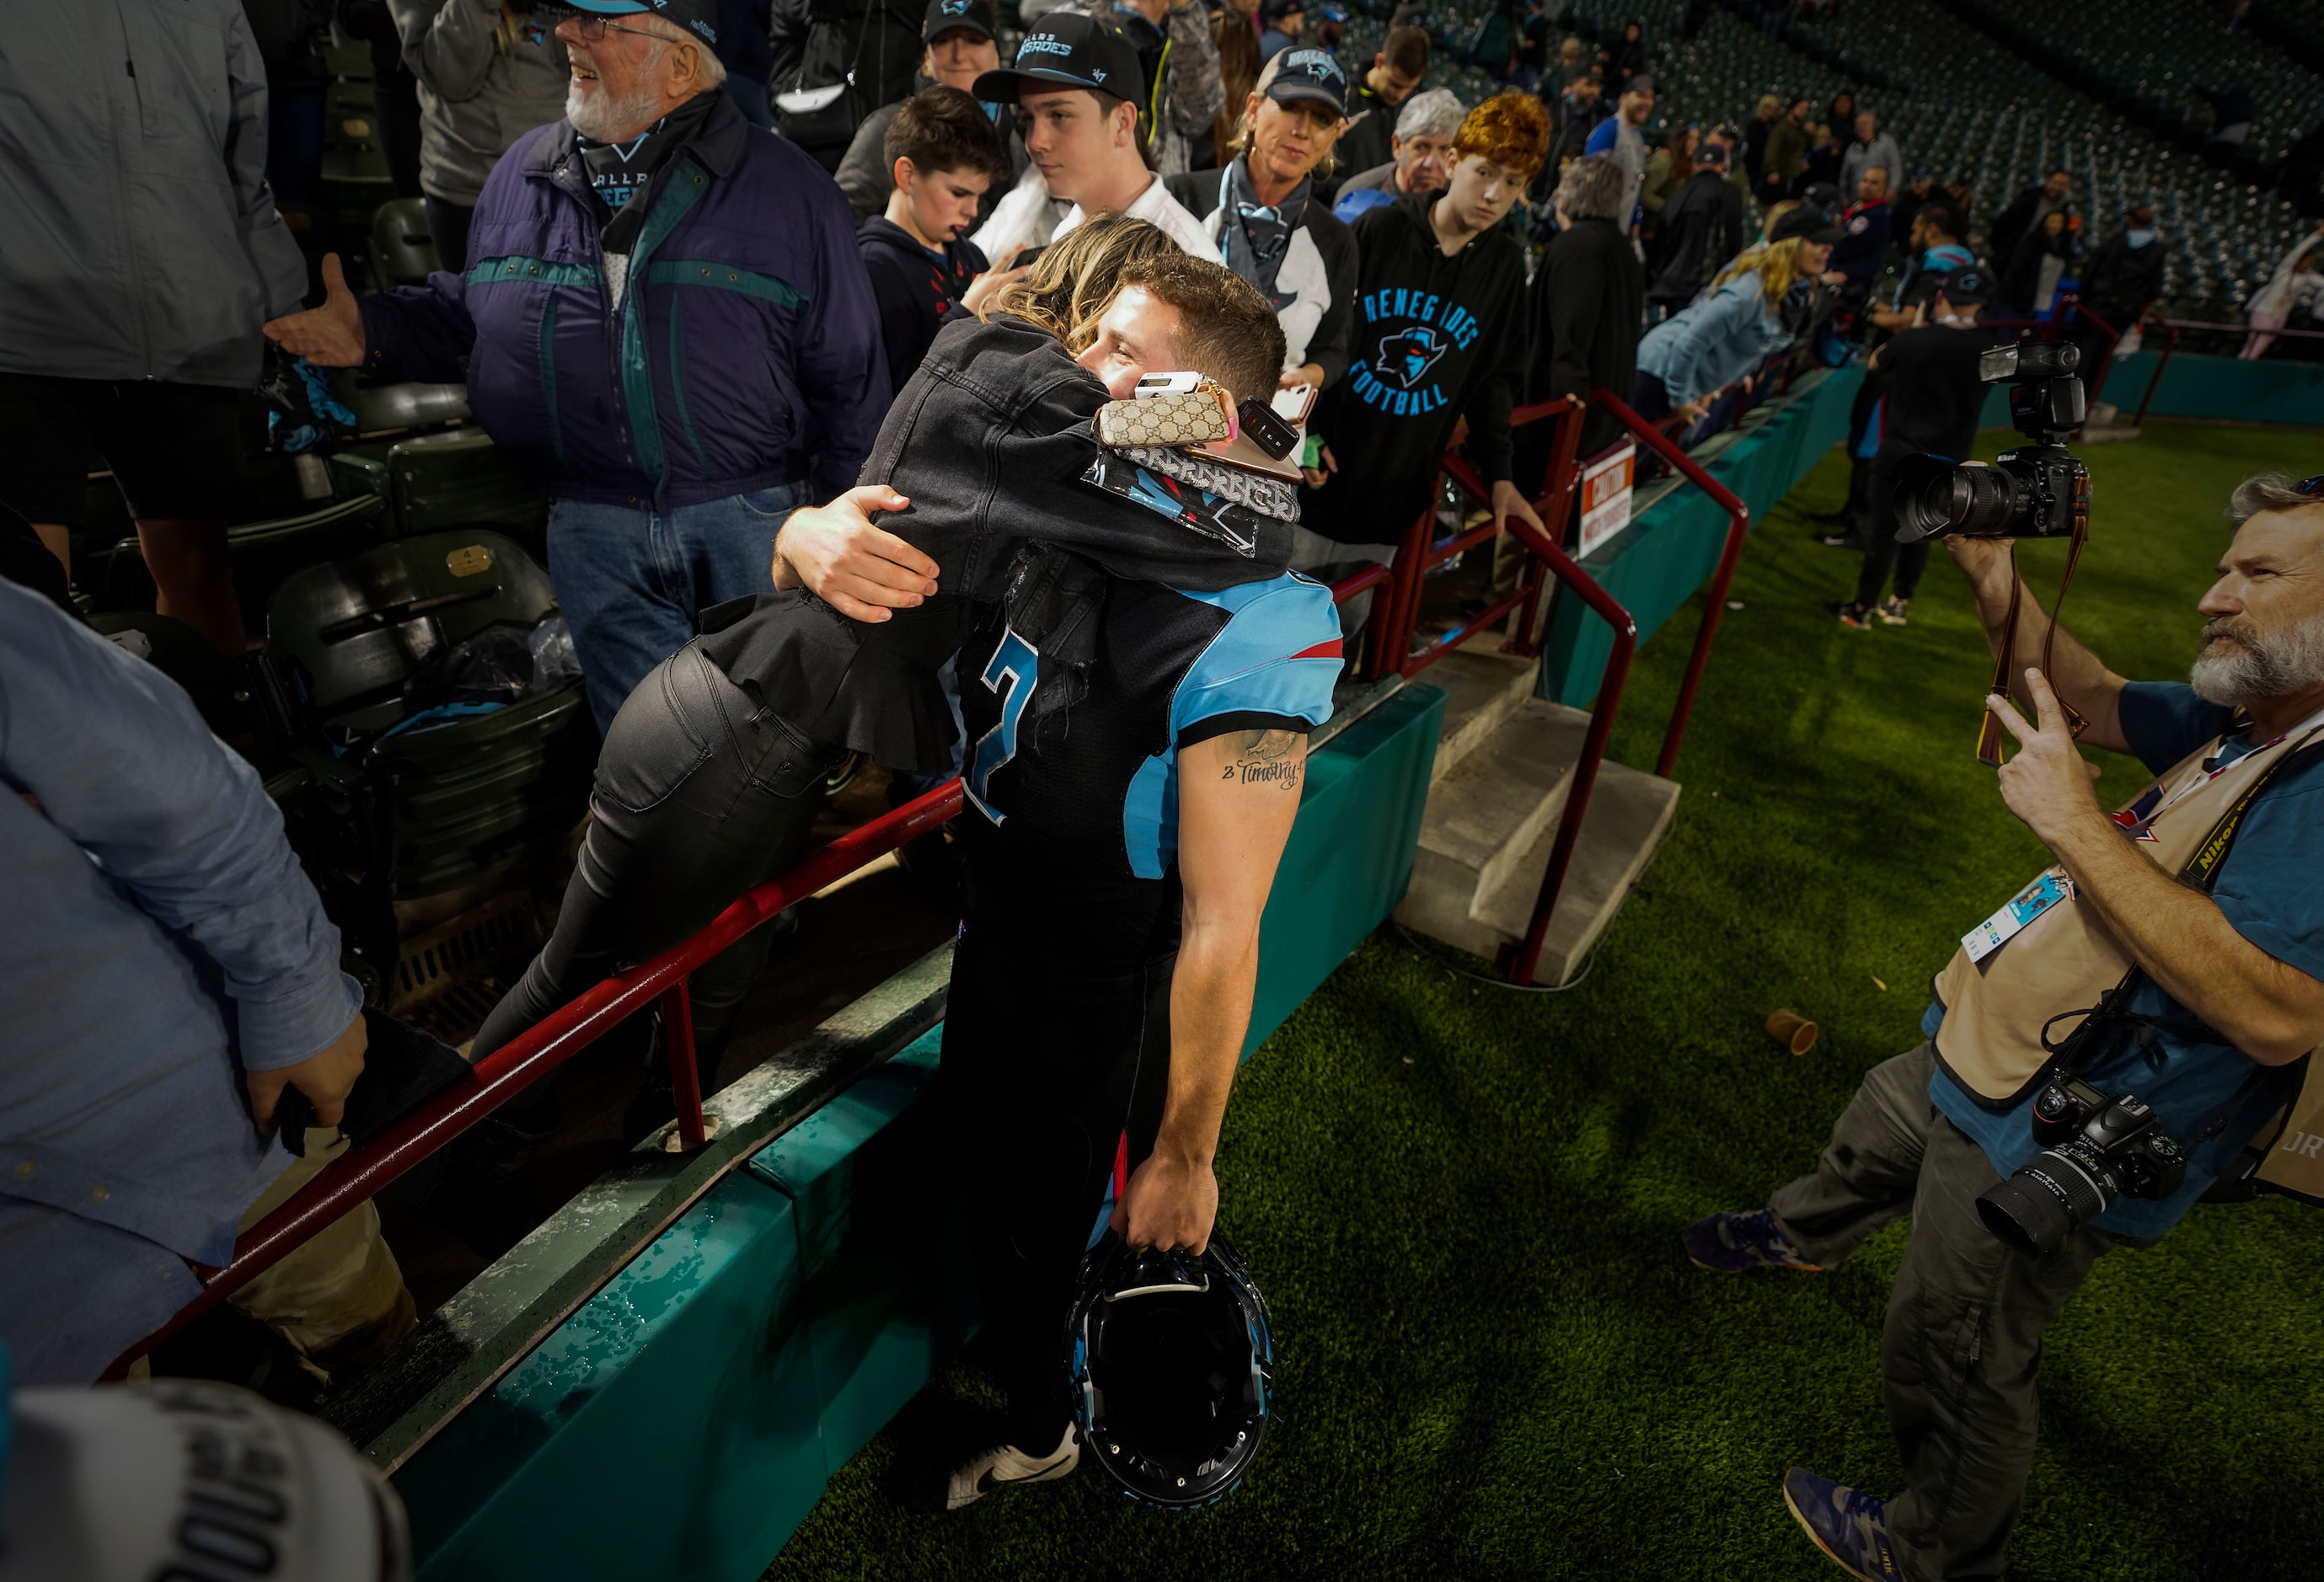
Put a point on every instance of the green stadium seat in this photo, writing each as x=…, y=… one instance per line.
x=403, y=253
x=460, y=478
x=464, y=800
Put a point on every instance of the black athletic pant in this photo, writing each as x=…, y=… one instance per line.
x=448, y=230
x=1056, y=1041
x=1882, y=551
x=701, y=794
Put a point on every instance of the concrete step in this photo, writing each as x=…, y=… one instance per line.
x=1629, y=812
x=1487, y=812
x=1481, y=689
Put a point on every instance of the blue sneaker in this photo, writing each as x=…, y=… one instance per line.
x=1739, y=1244
x=1848, y=1525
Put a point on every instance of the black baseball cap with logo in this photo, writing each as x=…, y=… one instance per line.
x=1066, y=49
x=944, y=16
x=1965, y=288
x=1808, y=222
x=1307, y=73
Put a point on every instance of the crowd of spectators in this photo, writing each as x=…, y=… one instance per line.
x=1430, y=263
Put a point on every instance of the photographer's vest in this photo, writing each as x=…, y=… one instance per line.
x=1996, y=1009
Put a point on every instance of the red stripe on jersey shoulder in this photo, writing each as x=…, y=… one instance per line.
x=1330, y=651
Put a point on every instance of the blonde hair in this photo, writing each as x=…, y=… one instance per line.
x=1317, y=115
x=1074, y=278
x=1778, y=265
x=1770, y=102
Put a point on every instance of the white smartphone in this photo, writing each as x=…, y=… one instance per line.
x=1157, y=384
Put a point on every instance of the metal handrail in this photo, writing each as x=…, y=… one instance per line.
x=1738, y=523
x=369, y=1166
x=2170, y=346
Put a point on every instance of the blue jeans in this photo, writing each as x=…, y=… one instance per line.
x=632, y=582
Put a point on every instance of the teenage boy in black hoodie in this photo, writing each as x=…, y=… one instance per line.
x=942, y=154
x=1440, y=335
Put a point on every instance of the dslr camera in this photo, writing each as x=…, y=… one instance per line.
x=2037, y=491
x=2097, y=1148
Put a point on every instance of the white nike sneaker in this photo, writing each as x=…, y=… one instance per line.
x=1005, y=1466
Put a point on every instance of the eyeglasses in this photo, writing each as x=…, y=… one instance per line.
x=592, y=30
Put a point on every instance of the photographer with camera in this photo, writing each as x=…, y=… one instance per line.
x=2113, y=1040
x=1934, y=395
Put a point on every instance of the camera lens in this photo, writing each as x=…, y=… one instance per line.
x=1935, y=497
x=2052, y=1195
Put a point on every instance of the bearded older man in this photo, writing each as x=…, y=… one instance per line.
x=2173, y=954
x=665, y=317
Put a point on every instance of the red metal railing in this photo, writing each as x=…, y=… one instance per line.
x=369, y=1166
x=1395, y=626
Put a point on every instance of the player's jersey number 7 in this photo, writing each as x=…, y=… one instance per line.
x=1015, y=667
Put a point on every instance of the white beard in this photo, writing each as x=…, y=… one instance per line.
x=2259, y=664
x=611, y=117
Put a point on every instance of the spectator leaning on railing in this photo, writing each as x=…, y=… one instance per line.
x=170, y=976
x=668, y=322
x=142, y=253
x=1269, y=226
x=1691, y=356
x=487, y=76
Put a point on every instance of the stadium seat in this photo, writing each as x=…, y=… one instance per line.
x=461, y=801
x=402, y=252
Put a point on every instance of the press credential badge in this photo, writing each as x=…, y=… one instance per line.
x=2048, y=889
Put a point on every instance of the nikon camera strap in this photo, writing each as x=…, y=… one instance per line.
x=1988, y=733
x=2081, y=1047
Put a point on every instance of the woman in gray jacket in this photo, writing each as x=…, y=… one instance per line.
x=489, y=72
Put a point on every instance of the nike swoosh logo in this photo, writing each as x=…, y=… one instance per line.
x=986, y=1482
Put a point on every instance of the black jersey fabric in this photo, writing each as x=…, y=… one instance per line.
x=1934, y=393
x=990, y=439
x=1435, y=339
x=1073, y=766
x=915, y=289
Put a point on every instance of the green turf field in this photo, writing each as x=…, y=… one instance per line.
x=1464, y=1204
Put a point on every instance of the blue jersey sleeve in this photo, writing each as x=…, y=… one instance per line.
x=2165, y=721
x=1270, y=667
x=1602, y=137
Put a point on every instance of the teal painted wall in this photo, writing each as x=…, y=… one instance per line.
x=890, y=1291
x=1350, y=855
x=1655, y=565
x=667, y=1429
x=2263, y=392
x=685, y=1420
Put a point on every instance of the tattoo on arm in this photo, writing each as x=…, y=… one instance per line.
x=1266, y=758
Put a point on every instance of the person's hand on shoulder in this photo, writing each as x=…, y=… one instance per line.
x=838, y=554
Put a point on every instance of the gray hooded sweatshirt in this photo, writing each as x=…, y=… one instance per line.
x=482, y=86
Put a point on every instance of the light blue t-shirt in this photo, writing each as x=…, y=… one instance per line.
x=2271, y=887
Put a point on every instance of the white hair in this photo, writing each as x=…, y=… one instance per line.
x=1438, y=113
x=613, y=116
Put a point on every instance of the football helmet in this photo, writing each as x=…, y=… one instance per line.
x=1171, y=1362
